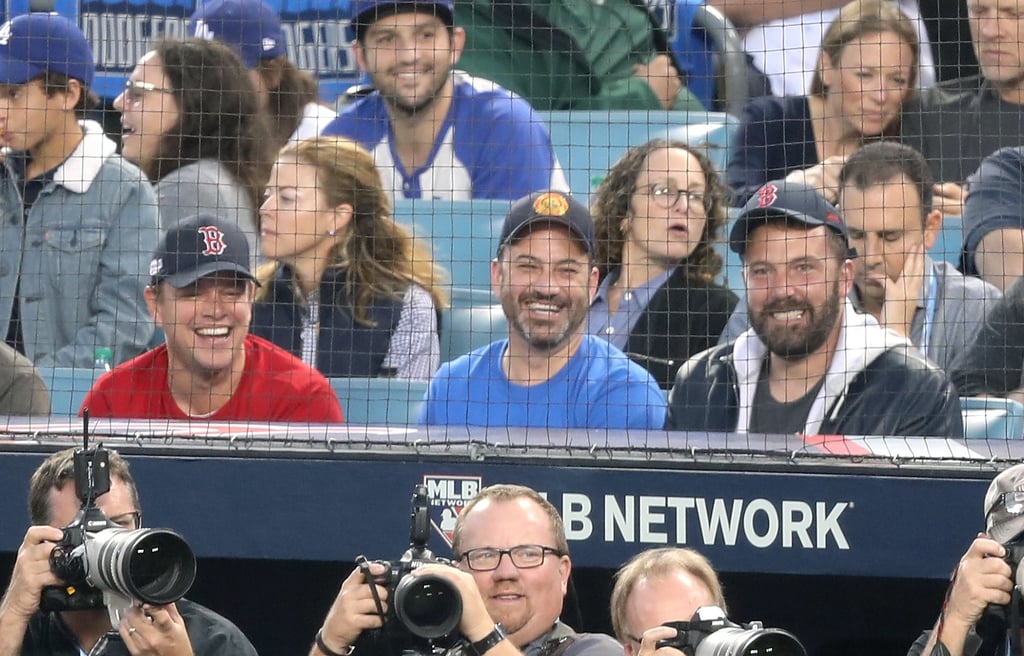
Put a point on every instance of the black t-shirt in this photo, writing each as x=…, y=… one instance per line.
x=770, y=416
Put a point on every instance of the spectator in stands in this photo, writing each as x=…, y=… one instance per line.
x=435, y=132
x=78, y=221
x=993, y=224
x=783, y=38
x=346, y=289
x=192, y=121
x=810, y=364
x=22, y=390
x=201, y=294
x=549, y=372
x=886, y=198
x=253, y=30
x=993, y=364
x=27, y=628
x=574, y=54
x=867, y=68
x=513, y=567
x=666, y=584
x=982, y=581
x=657, y=216
x=958, y=123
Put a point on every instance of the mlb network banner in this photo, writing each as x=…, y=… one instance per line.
x=316, y=31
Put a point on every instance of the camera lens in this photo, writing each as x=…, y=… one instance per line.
x=750, y=642
x=155, y=566
x=428, y=606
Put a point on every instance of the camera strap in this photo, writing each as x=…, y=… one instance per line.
x=557, y=646
x=364, y=567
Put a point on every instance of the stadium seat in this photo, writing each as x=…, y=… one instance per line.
x=379, y=401
x=474, y=319
x=950, y=241
x=589, y=142
x=68, y=387
x=463, y=235
x=992, y=418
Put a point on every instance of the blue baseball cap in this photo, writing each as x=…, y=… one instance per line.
x=365, y=12
x=790, y=200
x=37, y=43
x=252, y=28
x=198, y=246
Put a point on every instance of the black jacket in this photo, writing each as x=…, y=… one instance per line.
x=345, y=348
x=683, y=318
x=898, y=393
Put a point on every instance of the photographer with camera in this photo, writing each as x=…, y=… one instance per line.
x=511, y=560
x=30, y=622
x=657, y=586
x=983, y=602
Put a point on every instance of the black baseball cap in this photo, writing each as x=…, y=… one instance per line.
x=198, y=246
x=790, y=200
x=552, y=207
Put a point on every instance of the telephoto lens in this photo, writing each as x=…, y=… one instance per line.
x=153, y=565
x=429, y=606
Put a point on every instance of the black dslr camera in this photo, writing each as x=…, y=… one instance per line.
x=105, y=565
x=423, y=611
x=710, y=633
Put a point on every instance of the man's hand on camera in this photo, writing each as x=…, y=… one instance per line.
x=353, y=611
x=650, y=638
x=31, y=571
x=155, y=631
x=476, y=622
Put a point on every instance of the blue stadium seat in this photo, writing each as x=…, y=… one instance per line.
x=950, y=239
x=379, y=401
x=589, y=142
x=68, y=387
x=474, y=319
x=992, y=418
x=462, y=234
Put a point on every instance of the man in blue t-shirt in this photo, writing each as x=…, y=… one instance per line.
x=435, y=132
x=549, y=372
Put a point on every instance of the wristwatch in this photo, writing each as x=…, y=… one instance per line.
x=488, y=642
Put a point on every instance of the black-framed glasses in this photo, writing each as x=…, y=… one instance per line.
x=524, y=556
x=136, y=90
x=667, y=196
x=130, y=520
x=1013, y=502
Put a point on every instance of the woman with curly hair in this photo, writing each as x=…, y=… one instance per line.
x=346, y=288
x=657, y=216
x=192, y=121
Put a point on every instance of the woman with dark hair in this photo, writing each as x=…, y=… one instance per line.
x=657, y=216
x=252, y=28
x=192, y=121
x=867, y=68
x=346, y=289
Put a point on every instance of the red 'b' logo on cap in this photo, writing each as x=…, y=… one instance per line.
x=213, y=240
x=766, y=196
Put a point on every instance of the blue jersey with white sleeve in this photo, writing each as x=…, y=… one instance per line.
x=492, y=146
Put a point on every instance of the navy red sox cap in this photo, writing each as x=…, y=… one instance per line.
x=198, y=246
x=790, y=200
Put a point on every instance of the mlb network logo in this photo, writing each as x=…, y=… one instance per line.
x=448, y=495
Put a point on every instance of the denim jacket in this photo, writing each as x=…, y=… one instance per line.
x=82, y=255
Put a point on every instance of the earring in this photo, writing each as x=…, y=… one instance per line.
x=332, y=232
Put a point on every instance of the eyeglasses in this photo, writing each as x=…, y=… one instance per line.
x=130, y=520
x=136, y=90
x=667, y=197
x=1013, y=502
x=525, y=556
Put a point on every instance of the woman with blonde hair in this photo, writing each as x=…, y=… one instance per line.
x=657, y=216
x=867, y=68
x=346, y=289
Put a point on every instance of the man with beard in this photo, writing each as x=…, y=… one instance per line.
x=510, y=542
x=549, y=372
x=809, y=364
x=435, y=132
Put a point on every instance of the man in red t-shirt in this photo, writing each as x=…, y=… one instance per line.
x=201, y=294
